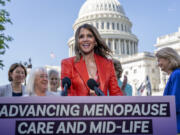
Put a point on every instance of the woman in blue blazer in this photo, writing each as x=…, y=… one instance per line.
x=169, y=62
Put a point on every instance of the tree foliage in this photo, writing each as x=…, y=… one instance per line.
x=4, y=19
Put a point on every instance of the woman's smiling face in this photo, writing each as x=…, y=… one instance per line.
x=41, y=82
x=86, y=41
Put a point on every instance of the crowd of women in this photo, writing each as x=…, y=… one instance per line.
x=40, y=82
x=92, y=60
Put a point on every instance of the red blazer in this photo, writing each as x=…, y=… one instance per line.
x=78, y=75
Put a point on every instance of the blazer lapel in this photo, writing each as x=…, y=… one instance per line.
x=82, y=70
x=101, y=72
x=9, y=90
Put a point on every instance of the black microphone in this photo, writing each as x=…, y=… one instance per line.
x=66, y=83
x=92, y=84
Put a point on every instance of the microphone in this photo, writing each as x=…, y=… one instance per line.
x=66, y=83
x=92, y=84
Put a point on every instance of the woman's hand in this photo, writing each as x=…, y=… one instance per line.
x=92, y=93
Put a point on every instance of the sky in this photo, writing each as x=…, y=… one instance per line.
x=43, y=27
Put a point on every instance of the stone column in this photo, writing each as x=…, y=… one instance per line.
x=128, y=47
x=125, y=47
x=119, y=44
x=113, y=46
x=106, y=41
x=122, y=46
x=132, y=47
x=136, y=48
x=110, y=41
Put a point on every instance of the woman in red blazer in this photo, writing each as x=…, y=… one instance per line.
x=90, y=62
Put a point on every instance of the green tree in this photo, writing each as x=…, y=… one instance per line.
x=4, y=19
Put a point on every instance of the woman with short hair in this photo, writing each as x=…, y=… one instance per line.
x=54, y=80
x=16, y=75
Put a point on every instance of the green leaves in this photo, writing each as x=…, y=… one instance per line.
x=3, y=3
x=4, y=19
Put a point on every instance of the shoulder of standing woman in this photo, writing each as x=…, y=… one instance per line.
x=4, y=89
x=71, y=59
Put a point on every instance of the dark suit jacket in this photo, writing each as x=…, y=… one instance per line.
x=78, y=75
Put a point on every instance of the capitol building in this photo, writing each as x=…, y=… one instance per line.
x=109, y=17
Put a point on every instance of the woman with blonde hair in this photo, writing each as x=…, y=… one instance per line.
x=90, y=61
x=169, y=62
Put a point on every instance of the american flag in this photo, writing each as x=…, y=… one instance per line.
x=52, y=55
x=148, y=86
x=144, y=85
x=141, y=88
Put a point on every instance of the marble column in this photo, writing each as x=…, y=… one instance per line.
x=124, y=46
x=127, y=42
x=136, y=48
x=119, y=44
x=132, y=47
x=113, y=46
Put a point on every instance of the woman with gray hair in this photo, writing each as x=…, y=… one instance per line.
x=54, y=80
x=37, y=84
x=169, y=62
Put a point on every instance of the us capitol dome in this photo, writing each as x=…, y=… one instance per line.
x=109, y=18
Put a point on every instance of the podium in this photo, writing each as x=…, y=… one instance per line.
x=113, y=115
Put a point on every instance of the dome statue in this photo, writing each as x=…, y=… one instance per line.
x=109, y=18
x=91, y=7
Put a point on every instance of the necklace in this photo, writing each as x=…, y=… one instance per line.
x=91, y=68
x=91, y=74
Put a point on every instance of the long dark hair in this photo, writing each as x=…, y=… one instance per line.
x=101, y=48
